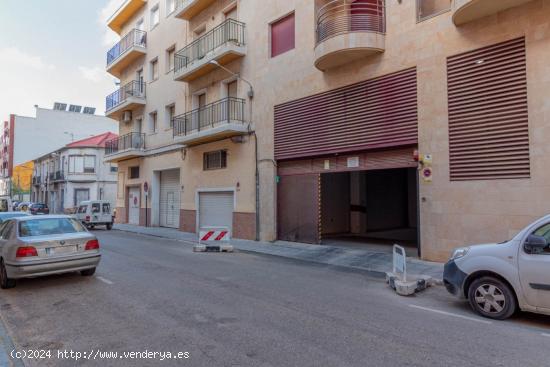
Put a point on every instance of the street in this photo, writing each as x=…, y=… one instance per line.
x=246, y=310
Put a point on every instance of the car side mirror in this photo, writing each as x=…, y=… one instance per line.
x=535, y=244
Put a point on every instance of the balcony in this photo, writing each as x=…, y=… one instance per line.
x=187, y=9
x=347, y=31
x=465, y=11
x=127, y=50
x=127, y=98
x=216, y=121
x=124, y=13
x=223, y=44
x=125, y=147
x=36, y=180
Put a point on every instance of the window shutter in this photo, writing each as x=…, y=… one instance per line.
x=282, y=35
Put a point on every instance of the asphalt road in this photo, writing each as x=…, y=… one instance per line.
x=241, y=309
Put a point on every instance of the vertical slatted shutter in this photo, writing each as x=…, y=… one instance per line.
x=282, y=35
x=377, y=113
x=488, y=118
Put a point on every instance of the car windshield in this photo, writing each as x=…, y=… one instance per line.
x=49, y=226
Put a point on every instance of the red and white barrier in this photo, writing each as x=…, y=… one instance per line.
x=214, y=235
x=214, y=239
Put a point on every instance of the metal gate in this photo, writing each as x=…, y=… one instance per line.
x=298, y=208
x=216, y=209
x=169, y=205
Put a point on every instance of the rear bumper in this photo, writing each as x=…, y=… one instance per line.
x=454, y=278
x=30, y=270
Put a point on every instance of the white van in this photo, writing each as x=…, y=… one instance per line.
x=95, y=213
x=5, y=204
x=500, y=278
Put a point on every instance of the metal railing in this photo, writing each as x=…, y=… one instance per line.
x=220, y=112
x=125, y=142
x=132, y=89
x=228, y=31
x=135, y=37
x=36, y=180
x=343, y=16
x=59, y=176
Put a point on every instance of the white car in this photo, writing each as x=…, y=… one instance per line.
x=498, y=279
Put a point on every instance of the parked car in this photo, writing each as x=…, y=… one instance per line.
x=23, y=206
x=33, y=246
x=9, y=215
x=14, y=205
x=95, y=213
x=39, y=208
x=498, y=279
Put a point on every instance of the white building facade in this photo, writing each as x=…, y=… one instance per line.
x=65, y=177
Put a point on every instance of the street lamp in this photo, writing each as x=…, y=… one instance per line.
x=250, y=91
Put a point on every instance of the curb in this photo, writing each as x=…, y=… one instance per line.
x=6, y=346
x=195, y=244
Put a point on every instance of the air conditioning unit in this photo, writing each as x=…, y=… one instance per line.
x=127, y=116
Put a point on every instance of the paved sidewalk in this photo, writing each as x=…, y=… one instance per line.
x=375, y=262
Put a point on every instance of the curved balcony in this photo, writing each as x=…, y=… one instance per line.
x=348, y=30
x=465, y=11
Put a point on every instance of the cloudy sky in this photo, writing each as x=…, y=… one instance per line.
x=54, y=50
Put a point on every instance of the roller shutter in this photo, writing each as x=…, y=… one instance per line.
x=488, y=118
x=216, y=209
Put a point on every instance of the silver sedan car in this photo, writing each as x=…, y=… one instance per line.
x=51, y=244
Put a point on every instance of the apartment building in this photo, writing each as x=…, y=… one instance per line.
x=76, y=172
x=185, y=128
x=418, y=122
x=24, y=138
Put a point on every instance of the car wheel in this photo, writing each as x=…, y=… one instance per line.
x=5, y=282
x=490, y=297
x=87, y=272
x=109, y=226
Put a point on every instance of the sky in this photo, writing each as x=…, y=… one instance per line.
x=54, y=51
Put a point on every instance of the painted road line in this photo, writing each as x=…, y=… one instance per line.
x=546, y=335
x=106, y=281
x=452, y=314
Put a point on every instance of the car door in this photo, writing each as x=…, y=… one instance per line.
x=106, y=216
x=534, y=270
x=2, y=239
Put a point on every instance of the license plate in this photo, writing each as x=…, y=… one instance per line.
x=60, y=250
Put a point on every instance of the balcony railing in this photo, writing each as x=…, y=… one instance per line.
x=342, y=16
x=220, y=112
x=229, y=31
x=132, y=89
x=36, y=180
x=135, y=141
x=135, y=37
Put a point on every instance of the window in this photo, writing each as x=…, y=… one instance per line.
x=282, y=35
x=89, y=164
x=114, y=169
x=170, y=6
x=82, y=164
x=134, y=172
x=154, y=67
x=544, y=232
x=429, y=8
x=95, y=208
x=155, y=16
x=215, y=160
x=153, y=122
x=106, y=208
x=170, y=55
x=170, y=114
x=82, y=209
x=49, y=226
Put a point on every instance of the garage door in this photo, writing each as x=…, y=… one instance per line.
x=169, y=210
x=216, y=209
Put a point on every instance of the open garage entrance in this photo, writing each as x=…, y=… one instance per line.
x=369, y=199
x=375, y=208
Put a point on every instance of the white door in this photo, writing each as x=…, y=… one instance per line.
x=169, y=209
x=534, y=272
x=134, y=203
x=216, y=209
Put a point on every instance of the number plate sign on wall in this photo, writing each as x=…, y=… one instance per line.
x=353, y=162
